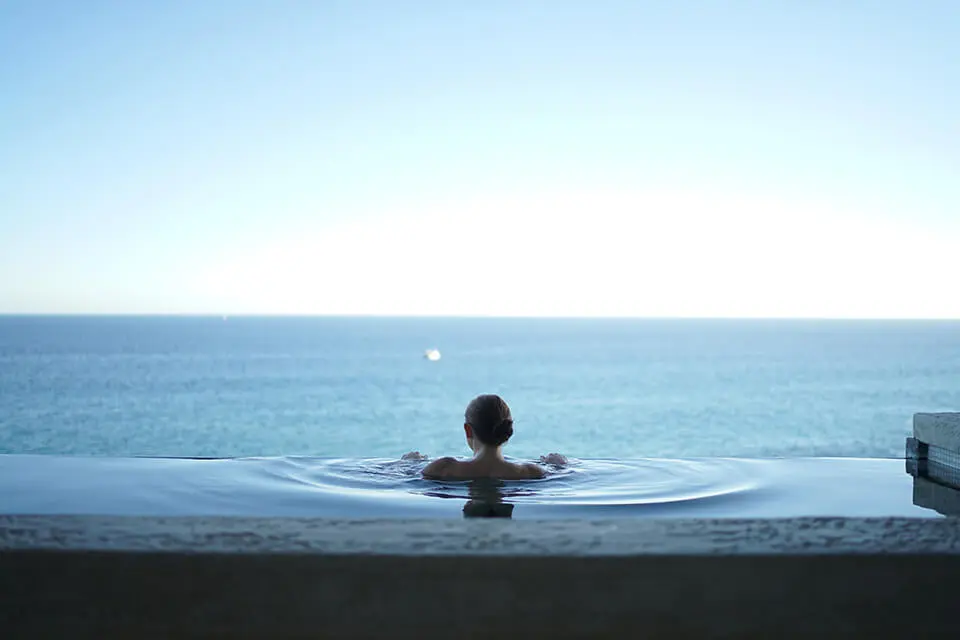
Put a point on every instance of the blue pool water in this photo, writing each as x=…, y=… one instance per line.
x=360, y=387
x=388, y=488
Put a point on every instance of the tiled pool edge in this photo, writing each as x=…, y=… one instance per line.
x=933, y=459
x=81, y=576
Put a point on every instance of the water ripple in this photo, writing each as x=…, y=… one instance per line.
x=583, y=482
x=381, y=488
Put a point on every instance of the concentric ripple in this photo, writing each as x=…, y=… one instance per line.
x=583, y=482
x=385, y=489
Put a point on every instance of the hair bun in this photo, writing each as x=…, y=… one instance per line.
x=503, y=431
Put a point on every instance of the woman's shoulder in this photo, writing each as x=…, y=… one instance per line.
x=531, y=471
x=439, y=467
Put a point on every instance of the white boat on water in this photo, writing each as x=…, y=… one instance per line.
x=431, y=354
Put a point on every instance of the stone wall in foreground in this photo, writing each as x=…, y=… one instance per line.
x=86, y=577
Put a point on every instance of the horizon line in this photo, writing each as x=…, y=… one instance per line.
x=226, y=316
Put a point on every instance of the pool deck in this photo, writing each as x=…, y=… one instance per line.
x=87, y=576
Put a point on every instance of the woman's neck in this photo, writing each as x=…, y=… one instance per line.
x=486, y=452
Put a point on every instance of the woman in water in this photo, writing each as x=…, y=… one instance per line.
x=488, y=425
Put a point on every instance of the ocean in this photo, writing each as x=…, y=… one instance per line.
x=338, y=387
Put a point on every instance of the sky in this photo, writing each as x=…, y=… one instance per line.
x=704, y=158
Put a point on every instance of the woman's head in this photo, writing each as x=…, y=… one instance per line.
x=487, y=420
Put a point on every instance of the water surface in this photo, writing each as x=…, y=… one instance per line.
x=384, y=488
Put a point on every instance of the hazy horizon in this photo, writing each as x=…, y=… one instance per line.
x=504, y=159
x=348, y=316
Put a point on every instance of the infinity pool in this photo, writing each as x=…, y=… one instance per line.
x=379, y=488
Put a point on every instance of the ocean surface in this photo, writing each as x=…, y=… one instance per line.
x=357, y=388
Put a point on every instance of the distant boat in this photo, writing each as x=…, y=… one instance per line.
x=431, y=354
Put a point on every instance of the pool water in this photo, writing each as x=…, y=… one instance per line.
x=389, y=488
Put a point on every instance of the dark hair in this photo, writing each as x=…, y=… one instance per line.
x=490, y=418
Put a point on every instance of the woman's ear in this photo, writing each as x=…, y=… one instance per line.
x=468, y=431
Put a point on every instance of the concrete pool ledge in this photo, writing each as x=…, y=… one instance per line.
x=938, y=429
x=84, y=576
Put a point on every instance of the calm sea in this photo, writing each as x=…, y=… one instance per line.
x=361, y=387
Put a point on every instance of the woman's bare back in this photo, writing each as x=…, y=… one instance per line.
x=453, y=469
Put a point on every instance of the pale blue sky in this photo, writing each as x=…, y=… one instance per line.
x=725, y=158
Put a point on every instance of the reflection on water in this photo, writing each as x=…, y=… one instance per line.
x=935, y=486
x=486, y=500
x=937, y=497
